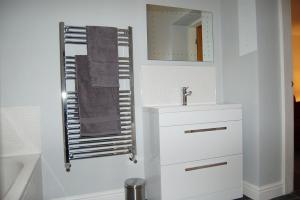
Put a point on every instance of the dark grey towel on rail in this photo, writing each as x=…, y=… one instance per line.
x=98, y=106
x=102, y=50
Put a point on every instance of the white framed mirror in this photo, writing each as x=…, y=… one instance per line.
x=179, y=34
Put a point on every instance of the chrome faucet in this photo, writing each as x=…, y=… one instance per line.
x=185, y=93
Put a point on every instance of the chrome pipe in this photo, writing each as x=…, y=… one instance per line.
x=124, y=68
x=76, y=27
x=124, y=58
x=91, y=144
x=124, y=91
x=82, y=152
x=77, y=136
x=76, y=132
x=124, y=96
x=124, y=73
x=63, y=91
x=75, y=37
x=98, y=155
x=75, y=32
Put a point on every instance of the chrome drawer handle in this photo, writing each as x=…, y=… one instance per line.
x=205, y=166
x=205, y=130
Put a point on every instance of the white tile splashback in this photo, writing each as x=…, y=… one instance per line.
x=161, y=85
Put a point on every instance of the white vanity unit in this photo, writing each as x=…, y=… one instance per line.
x=193, y=152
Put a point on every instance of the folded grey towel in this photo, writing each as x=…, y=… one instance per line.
x=98, y=106
x=102, y=50
x=103, y=74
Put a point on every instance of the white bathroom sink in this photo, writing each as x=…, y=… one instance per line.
x=190, y=108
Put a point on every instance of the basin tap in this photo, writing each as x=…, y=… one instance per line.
x=185, y=94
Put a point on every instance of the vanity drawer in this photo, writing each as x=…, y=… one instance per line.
x=200, y=141
x=194, y=179
x=194, y=117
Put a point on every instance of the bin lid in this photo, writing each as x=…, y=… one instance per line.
x=134, y=183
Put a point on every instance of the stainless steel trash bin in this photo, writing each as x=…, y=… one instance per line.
x=135, y=189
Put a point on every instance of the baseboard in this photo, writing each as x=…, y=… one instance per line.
x=265, y=192
x=107, y=195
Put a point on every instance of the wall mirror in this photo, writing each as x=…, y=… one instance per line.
x=178, y=34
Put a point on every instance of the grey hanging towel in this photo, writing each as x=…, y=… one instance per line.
x=102, y=50
x=98, y=106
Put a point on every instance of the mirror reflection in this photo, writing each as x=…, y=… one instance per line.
x=177, y=34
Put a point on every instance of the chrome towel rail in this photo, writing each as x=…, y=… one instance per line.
x=76, y=147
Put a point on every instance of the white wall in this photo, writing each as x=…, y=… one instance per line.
x=254, y=80
x=269, y=91
x=241, y=85
x=29, y=58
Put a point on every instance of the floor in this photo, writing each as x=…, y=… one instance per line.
x=294, y=196
x=297, y=146
x=244, y=198
x=297, y=170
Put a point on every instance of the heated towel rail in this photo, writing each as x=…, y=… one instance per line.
x=76, y=147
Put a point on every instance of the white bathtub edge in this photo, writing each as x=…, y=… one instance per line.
x=37, y=153
x=22, y=180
